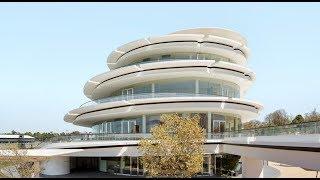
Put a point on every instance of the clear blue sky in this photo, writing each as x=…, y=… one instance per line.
x=49, y=50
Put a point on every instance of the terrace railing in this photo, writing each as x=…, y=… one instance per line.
x=143, y=96
x=291, y=129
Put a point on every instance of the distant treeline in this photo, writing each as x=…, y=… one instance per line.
x=280, y=118
x=42, y=136
x=276, y=118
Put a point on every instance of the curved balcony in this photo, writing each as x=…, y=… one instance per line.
x=93, y=112
x=144, y=96
x=290, y=129
x=104, y=84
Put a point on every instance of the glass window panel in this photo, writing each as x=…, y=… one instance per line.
x=225, y=91
x=182, y=56
x=167, y=56
x=201, y=56
x=204, y=121
x=104, y=127
x=216, y=126
x=116, y=127
x=140, y=166
x=109, y=129
x=112, y=163
x=126, y=169
x=217, y=89
x=206, y=165
x=125, y=127
x=139, y=125
x=175, y=87
x=134, y=165
x=132, y=126
x=101, y=128
x=152, y=120
x=142, y=88
x=218, y=117
x=146, y=60
x=222, y=126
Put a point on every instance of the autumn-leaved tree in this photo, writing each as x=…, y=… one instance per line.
x=312, y=116
x=277, y=118
x=252, y=124
x=175, y=148
x=15, y=162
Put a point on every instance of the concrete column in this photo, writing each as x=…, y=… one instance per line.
x=197, y=86
x=57, y=165
x=251, y=167
x=144, y=124
x=209, y=124
x=153, y=89
x=121, y=164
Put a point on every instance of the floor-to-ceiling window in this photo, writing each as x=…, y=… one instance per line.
x=218, y=123
x=151, y=121
x=174, y=86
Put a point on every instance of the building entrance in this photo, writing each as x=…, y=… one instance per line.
x=84, y=164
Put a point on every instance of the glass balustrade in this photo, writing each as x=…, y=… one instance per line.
x=143, y=96
x=291, y=129
x=180, y=56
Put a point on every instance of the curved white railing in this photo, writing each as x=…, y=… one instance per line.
x=290, y=129
x=145, y=96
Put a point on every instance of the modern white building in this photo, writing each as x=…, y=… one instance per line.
x=202, y=71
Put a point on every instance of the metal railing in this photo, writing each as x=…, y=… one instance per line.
x=98, y=137
x=145, y=96
x=291, y=129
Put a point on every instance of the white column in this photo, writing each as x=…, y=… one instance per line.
x=58, y=165
x=121, y=129
x=144, y=124
x=152, y=89
x=210, y=165
x=197, y=86
x=251, y=167
x=121, y=164
x=209, y=124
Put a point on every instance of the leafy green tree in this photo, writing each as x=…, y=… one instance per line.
x=298, y=119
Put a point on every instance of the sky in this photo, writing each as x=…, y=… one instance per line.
x=48, y=51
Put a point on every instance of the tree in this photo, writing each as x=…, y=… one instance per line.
x=14, y=162
x=229, y=163
x=252, y=124
x=277, y=118
x=298, y=119
x=312, y=116
x=175, y=148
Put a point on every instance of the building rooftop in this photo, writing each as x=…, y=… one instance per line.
x=11, y=136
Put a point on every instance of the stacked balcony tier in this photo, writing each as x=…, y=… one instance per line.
x=198, y=71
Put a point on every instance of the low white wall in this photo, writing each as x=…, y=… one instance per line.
x=57, y=165
x=252, y=168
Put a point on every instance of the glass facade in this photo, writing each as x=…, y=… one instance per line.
x=180, y=56
x=211, y=122
x=120, y=126
x=130, y=165
x=182, y=86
